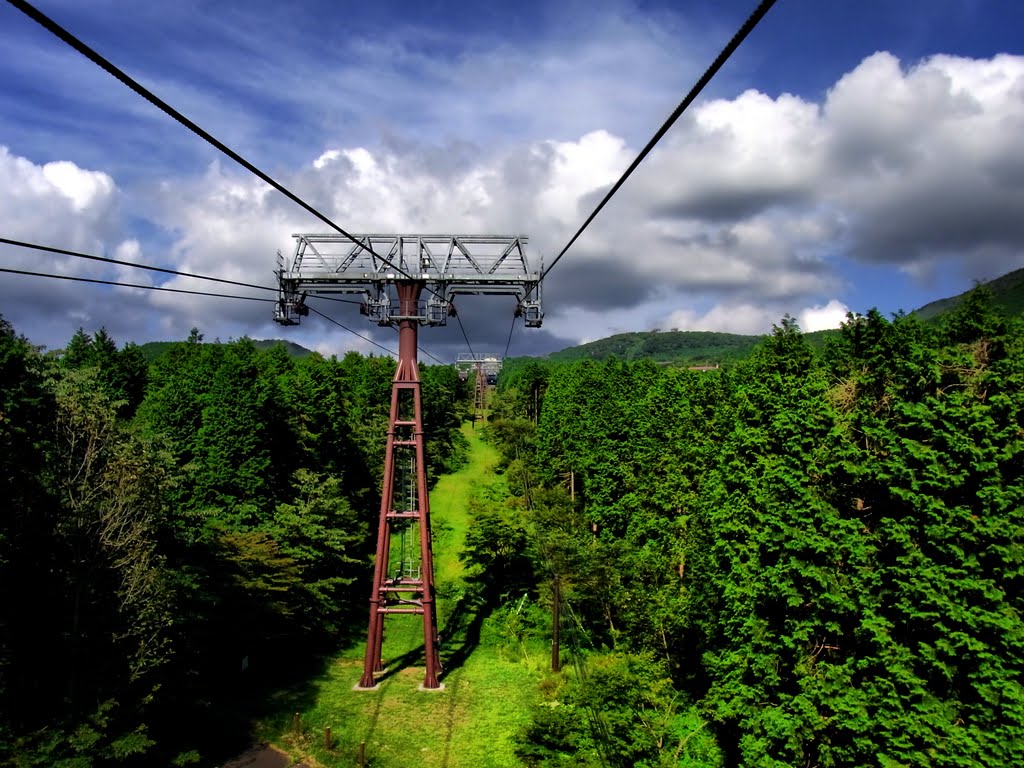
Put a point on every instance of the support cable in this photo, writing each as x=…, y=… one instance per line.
x=711, y=71
x=135, y=265
x=133, y=285
x=79, y=45
x=354, y=333
x=508, y=343
x=465, y=336
x=435, y=359
x=77, y=279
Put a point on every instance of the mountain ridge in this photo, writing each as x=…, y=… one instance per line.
x=712, y=347
x=153, y=350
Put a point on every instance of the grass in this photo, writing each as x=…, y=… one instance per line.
x=487, y=690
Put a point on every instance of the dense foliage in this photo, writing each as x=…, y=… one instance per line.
x=808, y=559
x=813, y=557
x=693, y=347
x=177, y=537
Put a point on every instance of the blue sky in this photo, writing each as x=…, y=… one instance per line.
x=850, y=155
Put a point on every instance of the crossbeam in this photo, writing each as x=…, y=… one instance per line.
x=448, y=265
x=467, y=361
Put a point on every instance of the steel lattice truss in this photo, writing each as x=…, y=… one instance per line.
x=447, y=264
x=490, y=364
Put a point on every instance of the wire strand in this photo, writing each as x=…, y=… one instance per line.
x=96, y=58
x=465, y=336
x=164, y=270
x=61, y=251
x=79, y=45
x=435, y=359
x=354, y=333
x=711, y=71
x=182, y=290
x=132, y=285
x=508, y=343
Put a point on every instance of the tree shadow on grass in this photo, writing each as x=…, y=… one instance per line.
x=461, y=634
x=278, y=678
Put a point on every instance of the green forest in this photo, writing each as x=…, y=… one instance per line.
x=810, y=557
x=177, y=539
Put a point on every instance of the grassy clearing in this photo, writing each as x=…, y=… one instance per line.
x=487, y=690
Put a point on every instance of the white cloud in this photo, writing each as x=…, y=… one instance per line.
x=747, y=206
x=734, y=158
x=57, y=203
x=927, y=162
x=131, y=251
x=745, y=211
x=741, y=318
x=820, y=318
x=227, y=226
x=575, y=170
x=83, y=188
x=327, y=157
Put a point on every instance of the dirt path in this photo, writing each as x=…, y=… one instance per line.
x=264, y=756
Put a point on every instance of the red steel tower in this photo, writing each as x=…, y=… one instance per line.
x=480, y=392
x=392, y=287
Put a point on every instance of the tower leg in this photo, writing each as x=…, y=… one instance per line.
x=399, y=593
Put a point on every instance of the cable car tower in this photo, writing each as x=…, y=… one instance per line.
x=486, y=368
x=391, y=273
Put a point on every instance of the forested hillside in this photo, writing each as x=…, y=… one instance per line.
x=806, y=558
x=803, y=560
x=699, y=348
x=694, y=347
x=1007, y=297
x=153, y=350
x=177, y=540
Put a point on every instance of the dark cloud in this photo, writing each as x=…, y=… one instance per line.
x=926, y=163
x=578, y=281
x=942, y=222
x=725, y=205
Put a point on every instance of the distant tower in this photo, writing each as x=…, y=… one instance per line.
x=486, y=368
x=392, y=272
x=480, y=395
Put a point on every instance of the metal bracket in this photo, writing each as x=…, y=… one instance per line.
x=448, y=265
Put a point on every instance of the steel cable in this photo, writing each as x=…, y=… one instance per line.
x=711, y=71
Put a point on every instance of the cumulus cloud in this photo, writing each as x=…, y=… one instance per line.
x=131, y=251
x=927, y=160
x=756, y=202
x=820, y=318
x=736, y=158
x=58, y=204
x=83, y=188
x=747, y=210
x=750, y=208
x=77, y=207
x=741, y=318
